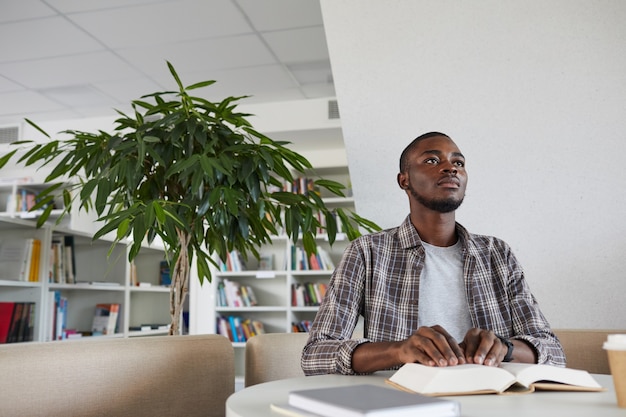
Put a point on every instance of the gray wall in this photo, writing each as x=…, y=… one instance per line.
x=534, y=93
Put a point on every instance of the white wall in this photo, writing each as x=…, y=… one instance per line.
x=534, y=94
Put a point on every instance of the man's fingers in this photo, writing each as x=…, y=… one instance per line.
x=482, y=347
x=440, y=346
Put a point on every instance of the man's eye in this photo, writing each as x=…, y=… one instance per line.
x=431, y=161
x=460, y=163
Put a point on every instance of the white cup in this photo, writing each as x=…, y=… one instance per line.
x=615, y=342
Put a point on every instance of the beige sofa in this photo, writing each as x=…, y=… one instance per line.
x=147, y=376
x=583, y=348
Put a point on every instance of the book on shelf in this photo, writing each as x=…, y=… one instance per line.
x=156, y=326
x=35, y=257
x=140, y=328
x=234, y=262
x=266, y=262
x=234, y=294
x=318, y=261
x=70, y=259
x=58, y=315
x=105, y=319
x=17, y=322
x=57, y=256
x=364, y=400
x=72, y=334
x=307, y=294
x=300, y=185
x=238, y=329
x=6, y=315
x=133, y=274
x=22, y=200
x=19, y=259
x=62, y=268
x=165, y=278
x=27, y=260
x=303, y=326
x=480, y=379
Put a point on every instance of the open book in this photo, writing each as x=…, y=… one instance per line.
x=481, y=379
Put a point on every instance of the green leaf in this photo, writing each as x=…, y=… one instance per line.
x=200, y=85
x=308, y=240
x=287, y=198
x=175, y=75
x=37, y=127
x=159, y=212
x=44, y=216
x=7, y=157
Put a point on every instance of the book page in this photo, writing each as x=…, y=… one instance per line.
x=552, y=377
x=453, y=380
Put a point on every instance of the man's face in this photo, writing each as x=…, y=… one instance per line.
x=436, y=176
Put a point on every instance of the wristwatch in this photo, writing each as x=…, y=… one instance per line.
x=509, y=348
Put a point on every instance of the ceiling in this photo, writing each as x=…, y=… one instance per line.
x=68, y=59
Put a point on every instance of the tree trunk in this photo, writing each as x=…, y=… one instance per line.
x=180, y=282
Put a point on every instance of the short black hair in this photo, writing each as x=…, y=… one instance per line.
x=404, y=157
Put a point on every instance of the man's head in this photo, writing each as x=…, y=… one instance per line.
x=432, y=172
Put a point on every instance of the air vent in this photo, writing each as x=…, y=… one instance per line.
x=9, y=134
x=333, y=109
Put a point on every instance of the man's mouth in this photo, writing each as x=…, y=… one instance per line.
x=449, y=182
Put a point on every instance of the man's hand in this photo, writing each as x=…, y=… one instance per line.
x=432, y=346
x=483, y=347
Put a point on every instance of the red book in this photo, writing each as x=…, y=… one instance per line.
x=6, y=315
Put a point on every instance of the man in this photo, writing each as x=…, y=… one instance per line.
x=429, y=291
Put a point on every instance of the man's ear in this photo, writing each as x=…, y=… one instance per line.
x=403, y=181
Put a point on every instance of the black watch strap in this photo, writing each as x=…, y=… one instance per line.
x=509, y=346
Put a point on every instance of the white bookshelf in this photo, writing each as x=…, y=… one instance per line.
x=100, y=278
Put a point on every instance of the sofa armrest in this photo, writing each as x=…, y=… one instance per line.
x=144, y=376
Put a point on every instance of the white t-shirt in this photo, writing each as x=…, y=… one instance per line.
x=442, y=296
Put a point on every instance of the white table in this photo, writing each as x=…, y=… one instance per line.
x=255, y=401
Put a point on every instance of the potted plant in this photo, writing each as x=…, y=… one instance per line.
x=194, y=173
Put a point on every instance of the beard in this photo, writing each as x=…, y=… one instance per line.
x=444, y=205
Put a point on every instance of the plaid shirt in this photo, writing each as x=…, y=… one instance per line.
x=378, y=278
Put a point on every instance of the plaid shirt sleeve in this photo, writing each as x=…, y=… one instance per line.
x=378, y=279
x=502, y=300
x=329, y=348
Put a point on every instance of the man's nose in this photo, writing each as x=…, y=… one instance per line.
x=449, y=167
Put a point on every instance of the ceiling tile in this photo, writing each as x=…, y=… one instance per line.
x=163, y=23
x=73, y=6
x=7, y=85
x=99, y=111
x=287, y=94
x=10, y=11
x=125, y=91
x=69, y=70
x=41, y=38
x=316, y=72
x=318, y=90
x=26, y=101
x=271, y=15
x=244, y=81
x=77, y=96
x=48, y=115
x=299, y=45
x=208, y=54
